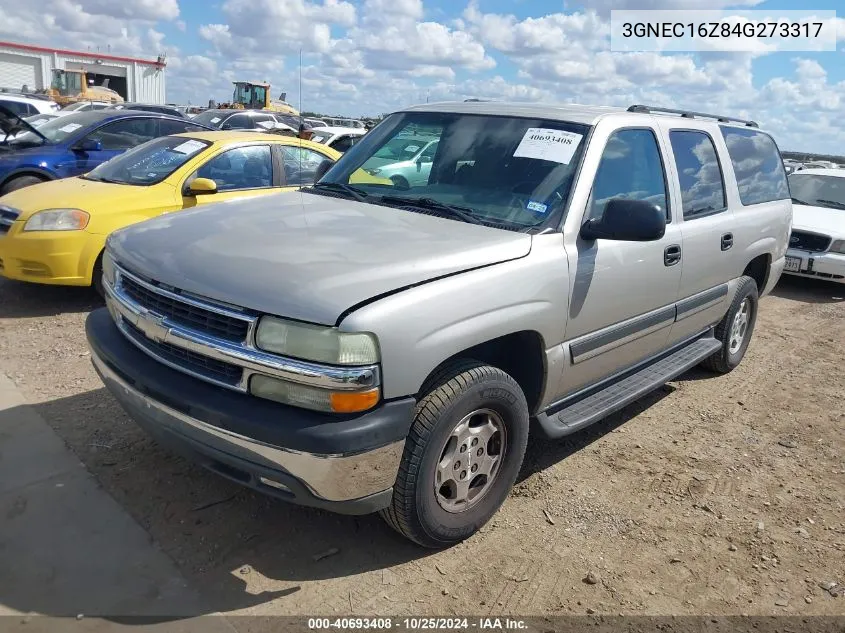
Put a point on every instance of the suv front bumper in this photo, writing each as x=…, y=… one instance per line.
x=343, y=464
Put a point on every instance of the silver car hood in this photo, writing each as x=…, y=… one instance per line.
x=306, y=256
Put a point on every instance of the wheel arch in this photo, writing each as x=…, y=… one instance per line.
x=521, y=354
x=27, y=171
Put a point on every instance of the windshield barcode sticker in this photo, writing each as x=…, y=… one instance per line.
x=546, y=144
x=70, y=127
x=189, y=147
x=215, y=119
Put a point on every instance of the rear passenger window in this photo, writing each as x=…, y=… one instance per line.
x=702, y=189
x=630, y=168
x=757, y=164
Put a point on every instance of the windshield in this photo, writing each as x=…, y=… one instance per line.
x=37, y=120
x=56, y=130
x=498, y=170
x=816, y=190
x=211, y=118
x=149, y=163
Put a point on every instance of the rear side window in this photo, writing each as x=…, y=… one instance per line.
x=757, y=165
x=699, y=172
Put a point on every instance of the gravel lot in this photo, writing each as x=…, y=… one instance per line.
x=718, y=495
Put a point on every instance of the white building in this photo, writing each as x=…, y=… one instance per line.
x=138, y=80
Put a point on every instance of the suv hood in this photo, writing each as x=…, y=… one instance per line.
x=306, y=256
x=11, y=125
x=819, y=219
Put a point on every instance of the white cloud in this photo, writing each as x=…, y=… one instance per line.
x=605, y=6
x=136, y=9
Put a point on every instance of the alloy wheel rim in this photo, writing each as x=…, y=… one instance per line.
x=470, y=460
x=739, y=327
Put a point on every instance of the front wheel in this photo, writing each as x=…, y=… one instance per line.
x=19, y=183
x=735, y=329
x=462, y=455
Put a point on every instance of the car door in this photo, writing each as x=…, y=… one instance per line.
x=623, y=294
x=238, y=172
x=706, y=223
x=114, y=138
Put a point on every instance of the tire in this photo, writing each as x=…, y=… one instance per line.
x=400, y=182
x=731, y=355
x=432, y=514
x=19, y=183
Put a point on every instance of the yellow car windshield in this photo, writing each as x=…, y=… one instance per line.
x=149, y=163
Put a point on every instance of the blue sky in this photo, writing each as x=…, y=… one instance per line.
x=373, y=56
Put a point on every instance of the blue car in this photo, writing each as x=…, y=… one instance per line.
x=74, y=144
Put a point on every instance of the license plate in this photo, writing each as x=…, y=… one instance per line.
x=793, y=264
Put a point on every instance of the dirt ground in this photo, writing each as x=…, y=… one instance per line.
x=717, y=495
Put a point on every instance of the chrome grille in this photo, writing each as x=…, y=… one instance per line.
x=809, y=241
x=188, y=314
x=197, y=364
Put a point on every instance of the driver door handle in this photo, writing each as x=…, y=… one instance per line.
x=671, y=255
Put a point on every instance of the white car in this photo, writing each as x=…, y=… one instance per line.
x=817, y=243
x=338, y=138
x=316, y=122
x=26, y=106
x=85, y=106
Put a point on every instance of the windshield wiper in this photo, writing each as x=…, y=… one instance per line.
x=464, y=213
x=832, y=203
x=804, y=202
x=354, y=192
x=101, y=179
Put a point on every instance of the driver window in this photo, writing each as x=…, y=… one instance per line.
x=300, y=165
x=248, y=167
x=428, y=154
x=630, y=168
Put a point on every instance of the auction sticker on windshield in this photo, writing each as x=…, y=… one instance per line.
x=546, y=144
x=189, y=147
x=70, y=127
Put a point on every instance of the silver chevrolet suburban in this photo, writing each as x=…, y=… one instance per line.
x=368, y=344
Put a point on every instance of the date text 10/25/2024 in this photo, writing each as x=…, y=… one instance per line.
x=418, y=624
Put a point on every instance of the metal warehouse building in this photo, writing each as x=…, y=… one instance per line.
x=139, y=80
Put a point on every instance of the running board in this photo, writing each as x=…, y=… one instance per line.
x=592, y=408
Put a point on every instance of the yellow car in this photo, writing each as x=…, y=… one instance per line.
x=54, y=232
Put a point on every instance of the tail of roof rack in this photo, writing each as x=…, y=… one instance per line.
x=688, y=114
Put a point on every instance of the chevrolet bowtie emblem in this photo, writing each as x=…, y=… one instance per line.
x=152, y=326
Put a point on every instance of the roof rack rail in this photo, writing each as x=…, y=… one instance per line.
x=688, y=114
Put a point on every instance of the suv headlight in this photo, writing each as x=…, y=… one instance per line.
x=316, y=343
x=838, y=246
x=57, y=220
x=319, y=344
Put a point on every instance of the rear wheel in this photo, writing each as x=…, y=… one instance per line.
x=736, y=328
x=462, y=455
x=19, y=183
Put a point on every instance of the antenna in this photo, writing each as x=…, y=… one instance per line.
x=301, y=120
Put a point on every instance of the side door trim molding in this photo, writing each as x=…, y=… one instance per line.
x=613, y=336
x=703, y=300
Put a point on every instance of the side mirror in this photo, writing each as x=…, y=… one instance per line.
x=325, y=165
x=89, y=145
x=627, y=220
x=202, y=186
